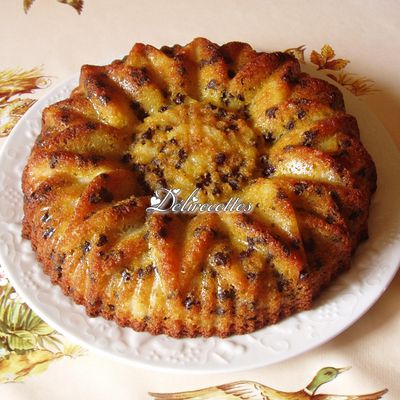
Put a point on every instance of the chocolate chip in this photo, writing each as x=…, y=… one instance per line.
x=140, y=273
x=221, y=258
x=45, y=217
x=199, y=230
x=251, y=276
x=179, y=98
x=53, y=161
x=104, y=99
x=220, y=158
x=156, y=169
x=99, y=84
x=281, y=194
x=219, y=311
x=245, y=253
x=139, y=75
x=319, y=190
x=336, y=100
x=245, y=112
x=286, y=249
x=290, y=76
x=143, y=272
x=300, y=187
x=268, y=170
x=221, y=113
x=148, y=134
x=40, y=194
x=212, y=84
x=65, y=118
x=301, y=114
x=189, y=302
x=181, y=70
x=102, y=240
x=95, y=159
x=290, y=125
x=271, y=112
x=139, y=110
x=226, y=294
x=330, y=219
x=231, y=128
x=132, y=203
x=139, y=168
x=309, y=136
x=182, y=154
x=303, y=100
x=126, y=158
x=304, y=274
x=233, y=184
x=224, y=177
x=264, y=159
x=345, y=143
x=86, y=247
x=282, y=283
x=225, y=98
x=126, y=275
x=204, y=180
x=57, y=268
x=213, y=59
x=336, y=198
x=48, y=233
x=103, y=195
x=216, y=191
x=91, y=125
x=268, y=137
x=169, y=51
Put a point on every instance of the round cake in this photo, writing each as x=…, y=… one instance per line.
x=229, y=122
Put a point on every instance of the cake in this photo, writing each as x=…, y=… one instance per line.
x=226, y=120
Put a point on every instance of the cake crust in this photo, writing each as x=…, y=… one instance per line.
x=226, y=120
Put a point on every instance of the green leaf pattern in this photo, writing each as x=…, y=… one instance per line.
x=27, y=344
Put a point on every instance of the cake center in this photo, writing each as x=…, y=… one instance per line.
x=193, y=146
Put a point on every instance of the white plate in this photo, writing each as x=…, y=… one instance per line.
x=349, y=297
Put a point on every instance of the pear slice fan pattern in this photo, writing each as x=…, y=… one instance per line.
x=229, y=121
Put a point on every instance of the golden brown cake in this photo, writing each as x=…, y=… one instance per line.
x=229, y=121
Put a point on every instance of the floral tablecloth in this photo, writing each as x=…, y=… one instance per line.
x=355, y=43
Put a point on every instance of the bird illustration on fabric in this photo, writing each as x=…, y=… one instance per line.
x=247, y=390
